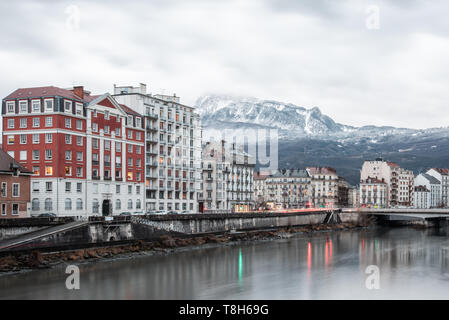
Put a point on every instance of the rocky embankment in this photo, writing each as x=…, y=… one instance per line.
x=38, y=260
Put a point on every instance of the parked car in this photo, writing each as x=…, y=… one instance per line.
x=185, y=212
x=172, y=212
x=47, y=215
x=125, y=214
x=139, y=213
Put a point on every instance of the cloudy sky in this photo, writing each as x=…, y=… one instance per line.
x=357, y=66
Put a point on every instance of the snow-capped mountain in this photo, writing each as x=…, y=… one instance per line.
x=292, y=121
x=308, y=137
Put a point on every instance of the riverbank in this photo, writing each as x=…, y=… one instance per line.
x=17, y=262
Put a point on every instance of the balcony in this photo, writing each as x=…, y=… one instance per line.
x=107, y=178
x=118, y=179
x=96, y=178
x=152, y=115
x=107, y=164
x=95, y=162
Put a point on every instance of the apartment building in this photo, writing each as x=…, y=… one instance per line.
x=442, y=174
x=325, y=182
x=172, y=148
x=400, y=182
x=433, y=185
x=288, y=188
x=422, y=198
x=260, y=189
x=86, y=151
x=15, y=188
x=227, y=176
x=373, y=193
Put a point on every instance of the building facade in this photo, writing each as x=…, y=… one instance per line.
x=227, y=178
x=172, y=148
x=442, y=174
x=400, y=182
x=15, y=188
x=433, y=185
x=86, y=152
x=325, y=182
x=422, y=198
x=373, y=193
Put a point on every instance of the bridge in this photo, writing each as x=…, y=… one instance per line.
x=406, y=215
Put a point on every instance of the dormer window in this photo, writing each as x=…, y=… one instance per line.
x=23, y=106
x=67, y=106
x=48, y=105
x=36, y=106
x=130, y=121
x=138, y=122
x=10, y=107
x=79, y=109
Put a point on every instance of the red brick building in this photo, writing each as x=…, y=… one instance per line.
x=14, y=188
x=86, y=151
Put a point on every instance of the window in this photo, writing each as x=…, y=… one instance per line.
x=48, y=138
x=23, y=106
x=95, y=143
x=10, y=139
x=48, y=186
x=130, y=148
x=10, y=107
x=106, y=129
x=35, y=154
x=23, y=155
x=129, y=121
x=79, y=172
x=138, y=150
x=48, y=204
x=79, y=109
x=79, y=204
x=107, y=145
x=79, y=187
x=15, y=209
x=94, y=127
x=138, y=136
x=118, y=204
x=138, y=204
x=130, y=162
x=4, y=189
x=48, y=121
x=137, y=189
x=130, y=175
x=23, y=123
x=48, y=171
x=68, y=155
x=138, y=122
x=67, y=106
x=106, y=115
x=35, y=138
x=79, y=125
x=118, y=147
x=68, y=123
x=48, y=105
x=130, y=189
x=117, y=132
x=130, y=134
x=79, y=156
x=23, y=139
x=10, y=123
x=36, y=122
x=130, y=204
x=48, y=154
x=95, y=206
x=68, y=204
x=35, y=186
x=36, y=106
x=68, y=171
x=68, y=139
x=16, y=190
x=79, y=141
x=68, y=187
x=35, y=204
x=117, y=189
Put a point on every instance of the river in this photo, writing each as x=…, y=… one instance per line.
x=412, y=264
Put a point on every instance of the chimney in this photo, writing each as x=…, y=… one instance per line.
x=79, y=91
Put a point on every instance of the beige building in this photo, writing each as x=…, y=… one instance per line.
x=373, y=193
x=325, y=186
x=400, y=182
x=227, y=179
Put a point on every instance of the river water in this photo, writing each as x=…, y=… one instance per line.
x=412, y=264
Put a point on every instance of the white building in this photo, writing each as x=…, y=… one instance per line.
x=442, y=174
x=172, y=148
x=422, y=198
x=432, y=184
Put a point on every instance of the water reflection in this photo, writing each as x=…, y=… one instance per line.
x=413, y=264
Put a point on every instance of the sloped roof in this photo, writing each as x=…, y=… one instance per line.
x=290, y=173
x=49, y=91
x=430, y=178
x=6, y=161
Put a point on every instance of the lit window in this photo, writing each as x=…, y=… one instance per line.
x=130, y=175
x=48, y=170
x=10, y=139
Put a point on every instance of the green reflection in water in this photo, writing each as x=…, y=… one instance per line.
x=240, y=265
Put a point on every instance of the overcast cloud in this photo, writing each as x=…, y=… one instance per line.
x=310, y=53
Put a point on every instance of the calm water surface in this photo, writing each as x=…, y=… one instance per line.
x=413, y=264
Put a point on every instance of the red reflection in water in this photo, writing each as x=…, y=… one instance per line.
x=326, y=254
x=330, y=251
x=363, y=251
x=309, y=256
